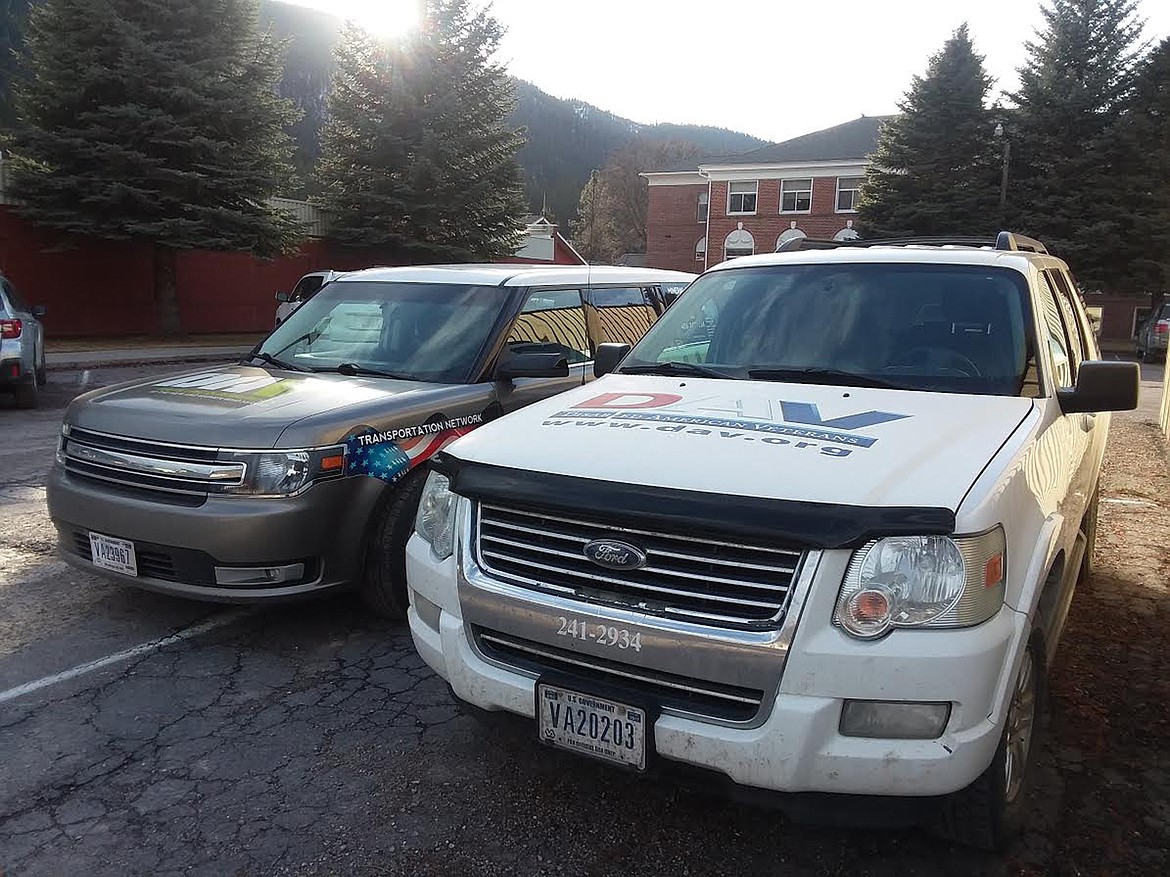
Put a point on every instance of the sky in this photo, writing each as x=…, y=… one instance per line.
x=772, y=68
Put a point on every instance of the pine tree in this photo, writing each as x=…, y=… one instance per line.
x=935, y=170
x=1065, y=185
x=1140, y=144
x=154, y=120
x=13, y=15
x=418, y=163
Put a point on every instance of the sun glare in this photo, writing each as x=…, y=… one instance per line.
x=383, y=18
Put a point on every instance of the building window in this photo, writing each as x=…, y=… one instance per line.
x=701, y=250
x=796, y=196
x=789, y=235
x=847, y=190
x=741, y=197
x=703, y=196
x=739, y=243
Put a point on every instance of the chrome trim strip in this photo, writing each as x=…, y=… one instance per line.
x=637, y=677
x=627, y=583
x=658, y=570
x=616, y=529
x=171, y=470
x=135, y=440
x=122, y=482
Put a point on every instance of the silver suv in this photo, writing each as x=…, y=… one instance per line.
x=1154, y=335
x=22, y=347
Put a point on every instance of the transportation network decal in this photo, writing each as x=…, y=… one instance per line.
x=388, y=455
x=799, y=426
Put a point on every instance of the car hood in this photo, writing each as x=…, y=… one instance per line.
x=849, y=446
x=237, y=406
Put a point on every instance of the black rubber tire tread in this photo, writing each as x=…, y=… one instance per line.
x=28, y=395
x=1089, y=528
x=978, y=816
x=383, y=585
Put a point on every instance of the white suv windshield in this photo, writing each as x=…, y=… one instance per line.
x=422, y=331
x=948, y=328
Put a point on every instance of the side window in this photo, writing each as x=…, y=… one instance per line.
x=1068, y=310
x=552, y=320
x=307, y=288
x=1055, y=335
x=620, y=315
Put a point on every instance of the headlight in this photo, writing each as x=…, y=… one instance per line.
x=435, y=520
x=283, y=473
x=922, y=581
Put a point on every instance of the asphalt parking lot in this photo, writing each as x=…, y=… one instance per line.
x=145, y=735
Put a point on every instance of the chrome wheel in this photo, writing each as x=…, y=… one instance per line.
x=1020, y=723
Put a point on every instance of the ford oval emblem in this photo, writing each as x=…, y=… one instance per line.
x=613, y=554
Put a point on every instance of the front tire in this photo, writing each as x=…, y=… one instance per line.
x=383, y=586
x=989, y=813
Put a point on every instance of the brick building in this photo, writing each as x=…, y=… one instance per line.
x=705, y=212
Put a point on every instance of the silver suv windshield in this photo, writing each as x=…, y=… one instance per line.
x=947, y=328
x=421, y=331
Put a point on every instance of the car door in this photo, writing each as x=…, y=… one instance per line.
x=1067, y=349
x=1084, y=344
x=550, y=321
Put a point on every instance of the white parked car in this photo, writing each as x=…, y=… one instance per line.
x=818, y=532
x=307, y=287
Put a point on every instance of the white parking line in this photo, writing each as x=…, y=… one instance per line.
x=118, y=657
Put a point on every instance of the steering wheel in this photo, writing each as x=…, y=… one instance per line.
x=938, y=360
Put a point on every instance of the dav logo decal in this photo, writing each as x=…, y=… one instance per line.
x=784, y=422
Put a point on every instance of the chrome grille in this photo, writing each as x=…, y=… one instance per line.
x=698, y=579
x=697, y=696
x=175, y=469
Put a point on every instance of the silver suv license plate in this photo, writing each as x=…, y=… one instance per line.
x=588, y=725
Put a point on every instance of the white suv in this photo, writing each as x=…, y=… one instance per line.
x=818, y=532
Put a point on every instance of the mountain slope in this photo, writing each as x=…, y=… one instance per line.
x=567, y=139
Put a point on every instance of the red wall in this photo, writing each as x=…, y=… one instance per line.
x=89, y=287
x=93, y=287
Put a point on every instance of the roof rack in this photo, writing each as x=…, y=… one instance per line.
x=1004, y=241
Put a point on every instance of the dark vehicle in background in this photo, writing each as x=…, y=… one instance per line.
x=299, y=470
x=1154, y=335
x=22, y=347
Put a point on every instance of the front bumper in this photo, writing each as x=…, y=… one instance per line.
x=795, y=746
x=325, y=528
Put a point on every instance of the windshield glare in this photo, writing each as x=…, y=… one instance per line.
x=428, y=331
x=945, y=328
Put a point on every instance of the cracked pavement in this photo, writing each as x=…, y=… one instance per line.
x=311, y=740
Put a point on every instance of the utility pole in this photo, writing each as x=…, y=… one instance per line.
x=594, y=177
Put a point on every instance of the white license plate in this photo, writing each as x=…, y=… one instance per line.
x=116, y=555
x=588, y=725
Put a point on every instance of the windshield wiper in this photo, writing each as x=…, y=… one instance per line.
x=815, y=375
x=677, y=368
x=352, y=369
x=277, y=363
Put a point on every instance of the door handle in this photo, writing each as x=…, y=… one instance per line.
x=1088, y=421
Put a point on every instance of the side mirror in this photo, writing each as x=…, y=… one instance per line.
x=608, y=357
x=533, y=365
x=1102, y=386
x=283, y=297
x=38, y=311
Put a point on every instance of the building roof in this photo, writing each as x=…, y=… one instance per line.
x=850, y=140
